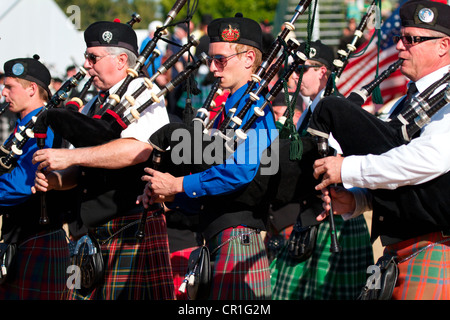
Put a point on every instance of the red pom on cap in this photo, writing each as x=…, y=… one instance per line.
x=117, y=20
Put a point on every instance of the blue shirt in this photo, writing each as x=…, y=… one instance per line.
x=241, y=167
x=156, y=63
x=15, y=187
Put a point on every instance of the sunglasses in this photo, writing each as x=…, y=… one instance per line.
x=412, y=40
x=304, y=68
x=220, y=60
x=92, y=58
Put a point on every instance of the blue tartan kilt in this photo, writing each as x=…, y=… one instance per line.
x=39, y=271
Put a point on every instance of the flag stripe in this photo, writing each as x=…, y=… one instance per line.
x=361, y=70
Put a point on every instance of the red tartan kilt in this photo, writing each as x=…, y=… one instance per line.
x=424, y=268
x=179, y=260
x=239, y=272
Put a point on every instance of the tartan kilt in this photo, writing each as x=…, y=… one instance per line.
x=180, y=260
x=39, y=271
x=424, y=268
x=326, y=275
x=239, y=272
x=134, y=269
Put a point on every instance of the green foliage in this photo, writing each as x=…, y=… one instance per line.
x=97, y=10
x=256, y=10
x=108, y=10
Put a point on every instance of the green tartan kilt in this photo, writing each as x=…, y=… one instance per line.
x=326, y=275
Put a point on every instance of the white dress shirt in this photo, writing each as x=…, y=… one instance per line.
x=423, y=159
x=151, y=119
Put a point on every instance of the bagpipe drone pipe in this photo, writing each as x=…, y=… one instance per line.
x=148, y=50
x=360, y=133
x=4, y=107
x=341, y=62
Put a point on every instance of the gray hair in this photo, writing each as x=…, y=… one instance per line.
x=115, y=51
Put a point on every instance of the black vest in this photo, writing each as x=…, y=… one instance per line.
x=411, y=211
x=247, y=206
x=24, y=218
x=107, y=194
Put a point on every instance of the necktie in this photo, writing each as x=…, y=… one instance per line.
x=304, y=123
x=412, y=89
x=98, y=104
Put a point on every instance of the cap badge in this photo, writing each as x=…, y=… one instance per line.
x=107, y=36
x=231, y=34
x=18, y=69
x=312, y=52
x=426, y=15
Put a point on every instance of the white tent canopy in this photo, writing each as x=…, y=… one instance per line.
x=29, y=27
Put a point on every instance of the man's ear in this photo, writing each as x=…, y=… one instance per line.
x=444, y=48
x=122, y=61
x=323, y=71
x=32, y=89
x=250, y=56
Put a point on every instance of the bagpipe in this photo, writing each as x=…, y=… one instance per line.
x=290, y=179
x=12, y=148
x=339, y=65
x=83, y=131
x=268, y=58
x=265, y=72
x=360, y=133
x=118, y=112
x=108, y=127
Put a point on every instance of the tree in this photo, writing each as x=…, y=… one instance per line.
x=256, y=10
x=97, y=10
x=108, y=10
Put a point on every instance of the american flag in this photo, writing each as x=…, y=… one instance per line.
x=362, y=69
